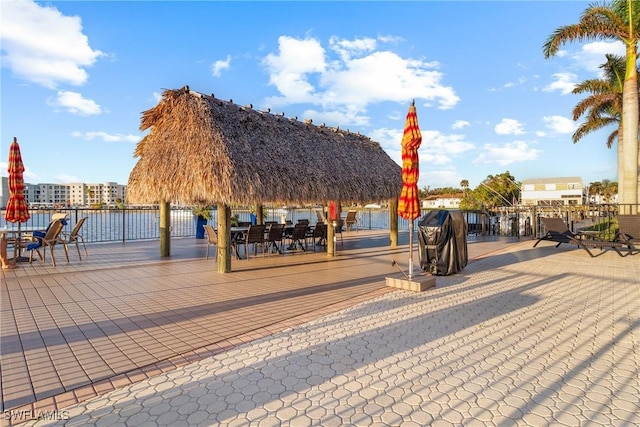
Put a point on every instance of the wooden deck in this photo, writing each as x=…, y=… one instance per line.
x=124, y=313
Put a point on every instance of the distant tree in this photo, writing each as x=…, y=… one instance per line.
x=468, y=202
x=600, y=191
x=498, y=190
x=609, y=189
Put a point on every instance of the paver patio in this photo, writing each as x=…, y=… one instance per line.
x=522, y=336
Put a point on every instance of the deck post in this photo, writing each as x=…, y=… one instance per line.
x=393, y=222
x=224, y=238
x=165, y=229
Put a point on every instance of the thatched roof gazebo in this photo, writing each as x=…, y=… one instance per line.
x=201, y=149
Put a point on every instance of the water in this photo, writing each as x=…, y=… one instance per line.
x=139, y=224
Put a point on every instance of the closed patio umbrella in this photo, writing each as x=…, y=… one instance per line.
x=409, y=202
x=17, y=209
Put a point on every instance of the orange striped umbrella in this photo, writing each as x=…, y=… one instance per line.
x=409, y=202
x=17, y=209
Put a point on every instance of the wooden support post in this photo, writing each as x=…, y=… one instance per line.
x=393, y=222
x=224, y=238
x=165, y=229
x=260, y=214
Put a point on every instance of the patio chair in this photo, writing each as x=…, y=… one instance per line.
x=253, y=236
x=50, y=239
x=274, y=239
x=75, y=237
x=629, y=231
x=558, y=232
x=212, y=237
x=299, y=236
x=351, y=220
x=318, y=235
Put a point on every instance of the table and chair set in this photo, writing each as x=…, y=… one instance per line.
x=272, y=237
x=37, y=240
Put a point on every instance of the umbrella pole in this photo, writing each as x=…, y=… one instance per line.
x=411, y=250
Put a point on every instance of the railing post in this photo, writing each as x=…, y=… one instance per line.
x=124, y=226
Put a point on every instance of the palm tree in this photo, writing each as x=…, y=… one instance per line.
x=604, y=106
x=618, y=20
x=609, y=189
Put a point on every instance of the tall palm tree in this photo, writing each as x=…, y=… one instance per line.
x=618, y=20
x=604, y=106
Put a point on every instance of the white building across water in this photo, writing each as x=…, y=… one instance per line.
x=552, y=191
x=49, y=196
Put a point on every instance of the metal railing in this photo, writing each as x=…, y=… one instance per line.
x=110, y=225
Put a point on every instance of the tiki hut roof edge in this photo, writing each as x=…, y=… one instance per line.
x=201, y=149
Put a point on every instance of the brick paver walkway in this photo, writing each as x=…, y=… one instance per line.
x=523, y=336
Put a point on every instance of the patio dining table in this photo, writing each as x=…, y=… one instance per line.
x=237, y=233
x=17, y=234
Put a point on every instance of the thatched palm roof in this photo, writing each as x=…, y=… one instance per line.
x=201, y=149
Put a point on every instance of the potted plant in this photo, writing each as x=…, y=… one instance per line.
x=202, y=214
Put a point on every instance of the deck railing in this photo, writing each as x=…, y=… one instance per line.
x=110, y=225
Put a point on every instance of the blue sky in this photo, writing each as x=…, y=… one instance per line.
x=76, y=77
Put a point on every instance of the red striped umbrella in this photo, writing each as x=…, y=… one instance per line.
x=409, y=202
x=17, y=209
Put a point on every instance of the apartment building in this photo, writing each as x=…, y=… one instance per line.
x=66, y=195
x=552, y=191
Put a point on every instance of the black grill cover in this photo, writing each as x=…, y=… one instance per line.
x=442, y=238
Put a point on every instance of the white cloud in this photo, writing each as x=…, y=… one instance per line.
x=509, y=127
x=520, y=81
x=559, y=124
x=439, y=178
x=106, y=137
x=28, y=175
x=303, y=71
x=290, y=68
x=564, y=82
x=74, y=103
x=347, y=48
x=220, y=65
x=459, y=124
x=506, y=154
x=344, y=117
x=42, y=46
x=436, y=148
x=592, y=55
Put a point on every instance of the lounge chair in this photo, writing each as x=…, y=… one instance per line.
x=558, y=232
x=629, y=231
x=351, y=220
x=75, y=237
